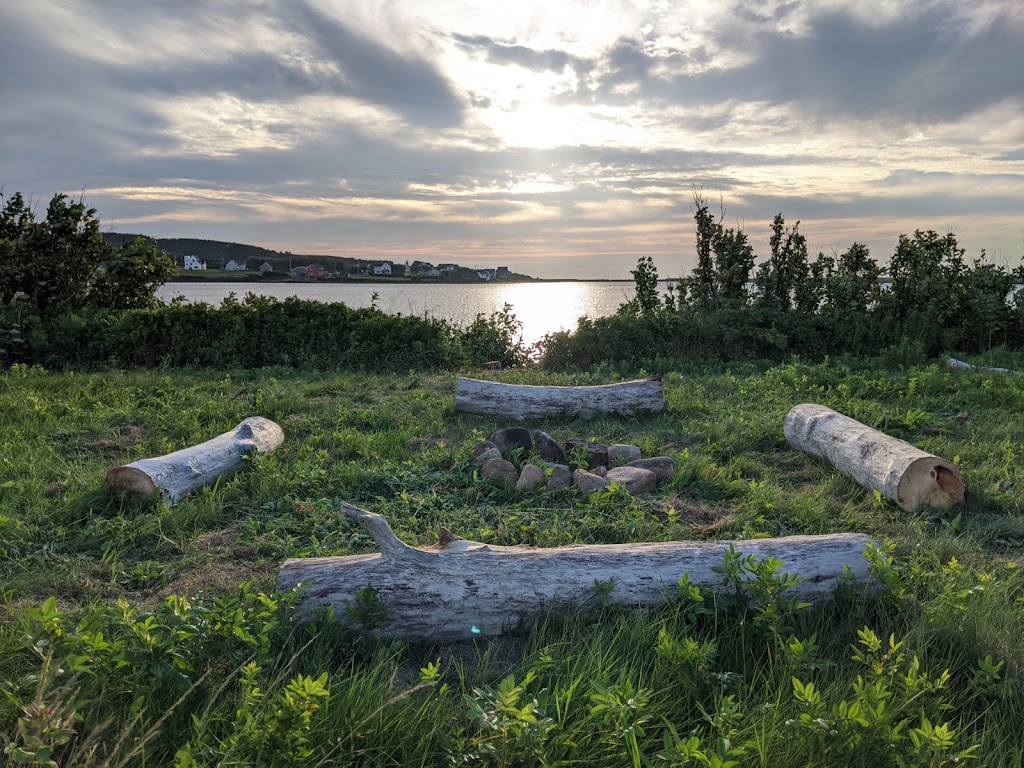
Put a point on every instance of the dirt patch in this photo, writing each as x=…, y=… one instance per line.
x=224, y=542
x=420, y=444
x=697, y=512
x=217, y=576
x=225, y=566
x=102, y=445
x=131, y=435
x=122, y=436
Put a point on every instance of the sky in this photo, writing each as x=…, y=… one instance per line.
x=560, y=139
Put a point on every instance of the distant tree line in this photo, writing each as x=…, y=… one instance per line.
x=926, y=276
x=70, y=297
x=928, y=296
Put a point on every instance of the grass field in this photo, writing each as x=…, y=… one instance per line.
x=104, y=661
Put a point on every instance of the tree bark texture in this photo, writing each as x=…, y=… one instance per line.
x=459, y=589
x=177, y=474
x=520, y=401
x=894, y=468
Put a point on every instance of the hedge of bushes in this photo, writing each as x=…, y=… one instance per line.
x=655, y=341
x=254, y=332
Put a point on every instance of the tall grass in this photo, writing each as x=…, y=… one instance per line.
x=121, y=668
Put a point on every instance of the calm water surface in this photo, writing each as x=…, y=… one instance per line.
x=542, y=308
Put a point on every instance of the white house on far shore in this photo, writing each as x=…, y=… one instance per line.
x=383, y=268
x=234, y=266
x=191, y=262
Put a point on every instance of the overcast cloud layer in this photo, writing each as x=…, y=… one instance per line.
x=558, y=138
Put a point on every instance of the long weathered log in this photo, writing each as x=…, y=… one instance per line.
x=178, y=473
x=894, y=468
x=954, y=363
x=521, y=401
x=460, y=588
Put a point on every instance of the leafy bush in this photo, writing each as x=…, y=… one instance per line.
x=64, y=263
x=259, y=331
x=144, y=667
x=494, y=338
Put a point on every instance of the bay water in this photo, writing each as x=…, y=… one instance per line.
x=542, y=308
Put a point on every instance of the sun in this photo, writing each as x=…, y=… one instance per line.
x=533, y=109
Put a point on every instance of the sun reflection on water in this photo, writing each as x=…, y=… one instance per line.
x=544, y=308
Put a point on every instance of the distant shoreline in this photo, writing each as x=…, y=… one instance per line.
x=278, y=278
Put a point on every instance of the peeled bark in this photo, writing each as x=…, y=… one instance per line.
x=521, y=401
x=894, y=468
x=458, y=588
x=177, y=474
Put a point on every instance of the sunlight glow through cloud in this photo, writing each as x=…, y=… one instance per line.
x=569, y=134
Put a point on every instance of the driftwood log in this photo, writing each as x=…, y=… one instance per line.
x=521, y=401
x=458, y=589
x=177, y=474
x=954, y=363
x=894, y=468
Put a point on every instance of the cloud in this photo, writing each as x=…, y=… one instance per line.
x=503, y=52
x=298, y=50
x=928, y=66
x=568, y=139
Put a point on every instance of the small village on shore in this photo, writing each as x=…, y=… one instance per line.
x=216, y=261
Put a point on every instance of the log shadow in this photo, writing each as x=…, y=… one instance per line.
x=114, y=502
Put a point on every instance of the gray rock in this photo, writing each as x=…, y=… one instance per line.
x=663, y=466
x=488, y=455
x=483, y=445
x=597, y=454
x=587, y=483
x=638, y=481
x=548, y=447
x=484, y=451
x=619, y=454
x=560, y=477
x=512, y=437
x=599, y=471
x=500, y=471
x=531, y=477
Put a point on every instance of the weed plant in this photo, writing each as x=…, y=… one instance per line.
x=136, y=634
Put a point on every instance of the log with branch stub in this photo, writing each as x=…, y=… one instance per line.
x=894, y=468
x=960, y=364
x=177, y=474
x=458, y=588
x=521, y=401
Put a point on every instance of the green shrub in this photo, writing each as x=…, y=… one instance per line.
x=257, y=332
x=64, y=263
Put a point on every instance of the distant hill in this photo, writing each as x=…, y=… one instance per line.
x=217, y=254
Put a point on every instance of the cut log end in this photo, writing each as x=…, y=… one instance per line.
x=931, y=481
x=896, y=469
x=130, y=480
